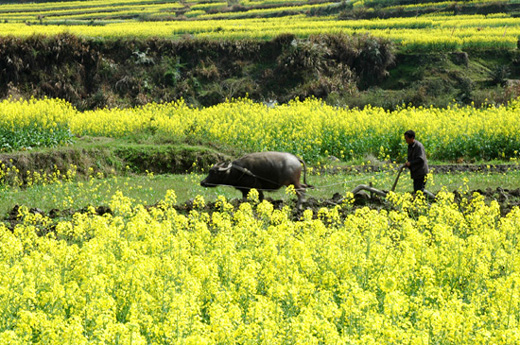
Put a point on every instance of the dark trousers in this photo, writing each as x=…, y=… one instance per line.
x=419, y=183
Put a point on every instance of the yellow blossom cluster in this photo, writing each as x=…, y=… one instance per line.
x=12, y=177
x=31, y=123
x=417, y=274
x=105, y=11
x=45, y=113
x=437, y=32
x=310, y=128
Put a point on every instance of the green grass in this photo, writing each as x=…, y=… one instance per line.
x=150, y=189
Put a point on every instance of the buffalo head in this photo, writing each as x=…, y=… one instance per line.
x=218, y=174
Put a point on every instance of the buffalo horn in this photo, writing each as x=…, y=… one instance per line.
x=224, y=168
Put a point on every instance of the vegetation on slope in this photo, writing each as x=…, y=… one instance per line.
x=98, y=73
x=471, y=66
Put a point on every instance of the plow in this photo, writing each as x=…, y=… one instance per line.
x=384, y=193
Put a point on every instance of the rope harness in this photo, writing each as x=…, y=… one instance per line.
x=246, y=171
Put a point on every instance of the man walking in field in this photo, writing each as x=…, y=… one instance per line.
x=417, y=162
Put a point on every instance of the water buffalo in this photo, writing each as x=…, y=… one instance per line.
x=265, y=171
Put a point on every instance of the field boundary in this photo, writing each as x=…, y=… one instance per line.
x=174, y=159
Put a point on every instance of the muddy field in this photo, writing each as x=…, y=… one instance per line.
x=507, y=199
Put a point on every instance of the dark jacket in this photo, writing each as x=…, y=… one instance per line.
x=417, y=158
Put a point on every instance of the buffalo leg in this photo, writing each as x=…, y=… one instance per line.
x=245, y=192
x=301, y=198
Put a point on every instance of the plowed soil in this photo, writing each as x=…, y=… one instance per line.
x=507, y=199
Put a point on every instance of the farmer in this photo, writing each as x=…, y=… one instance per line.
x=417, y=162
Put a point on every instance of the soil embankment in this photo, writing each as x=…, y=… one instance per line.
x=343, y=70
x=114, y=157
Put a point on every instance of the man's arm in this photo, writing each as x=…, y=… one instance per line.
x=418, y=157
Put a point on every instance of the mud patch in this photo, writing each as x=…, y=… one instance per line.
x=507, y=199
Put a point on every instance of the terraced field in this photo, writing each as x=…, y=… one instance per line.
x=114, y=110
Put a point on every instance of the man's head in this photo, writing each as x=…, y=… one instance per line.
x=409, y=136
